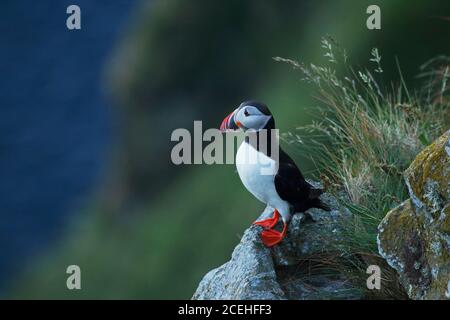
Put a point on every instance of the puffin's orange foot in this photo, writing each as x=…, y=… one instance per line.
x=272, y=237
x=270, y=222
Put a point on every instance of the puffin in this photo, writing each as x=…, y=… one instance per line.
x=284, y=188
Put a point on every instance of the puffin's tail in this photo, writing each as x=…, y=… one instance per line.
x=315, y=201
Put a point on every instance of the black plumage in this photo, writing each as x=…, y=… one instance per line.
x=292, y=187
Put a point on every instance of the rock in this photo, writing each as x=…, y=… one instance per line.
x=428, y=177
x=250, y=274
x=313, y=233
x=414, y=238
x=257, y=272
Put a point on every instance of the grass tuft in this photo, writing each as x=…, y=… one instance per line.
x=365, y=136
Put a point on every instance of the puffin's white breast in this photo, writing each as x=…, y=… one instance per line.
x=257, y=172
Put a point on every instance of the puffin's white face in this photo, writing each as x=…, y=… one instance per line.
x=249, y=117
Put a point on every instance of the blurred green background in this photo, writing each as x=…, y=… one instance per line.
x=151, y=229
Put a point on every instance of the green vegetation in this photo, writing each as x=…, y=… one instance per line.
x=364, y=141
x=157, y=229
x=365, y=137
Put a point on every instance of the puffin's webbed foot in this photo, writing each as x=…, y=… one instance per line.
x=272, y=237
x=270, y=222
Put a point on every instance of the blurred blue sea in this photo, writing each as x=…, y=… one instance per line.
x=55, y=124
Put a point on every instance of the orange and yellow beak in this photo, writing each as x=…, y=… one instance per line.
x=229, y=123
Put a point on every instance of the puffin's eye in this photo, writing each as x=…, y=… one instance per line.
x=246, y=113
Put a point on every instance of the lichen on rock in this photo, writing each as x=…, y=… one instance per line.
x=414, y=237
x=428, y=176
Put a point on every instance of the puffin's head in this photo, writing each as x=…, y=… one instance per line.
x=250, y=115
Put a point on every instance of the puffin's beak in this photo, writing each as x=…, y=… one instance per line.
x=228, y=123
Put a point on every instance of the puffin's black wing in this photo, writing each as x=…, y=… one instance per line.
x=292, y=187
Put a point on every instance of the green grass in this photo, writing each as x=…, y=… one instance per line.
x=364, y=137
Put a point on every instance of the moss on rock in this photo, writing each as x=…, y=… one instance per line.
x=428, y=176
x=414, y=238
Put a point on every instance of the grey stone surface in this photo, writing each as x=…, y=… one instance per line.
x=257, y=272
